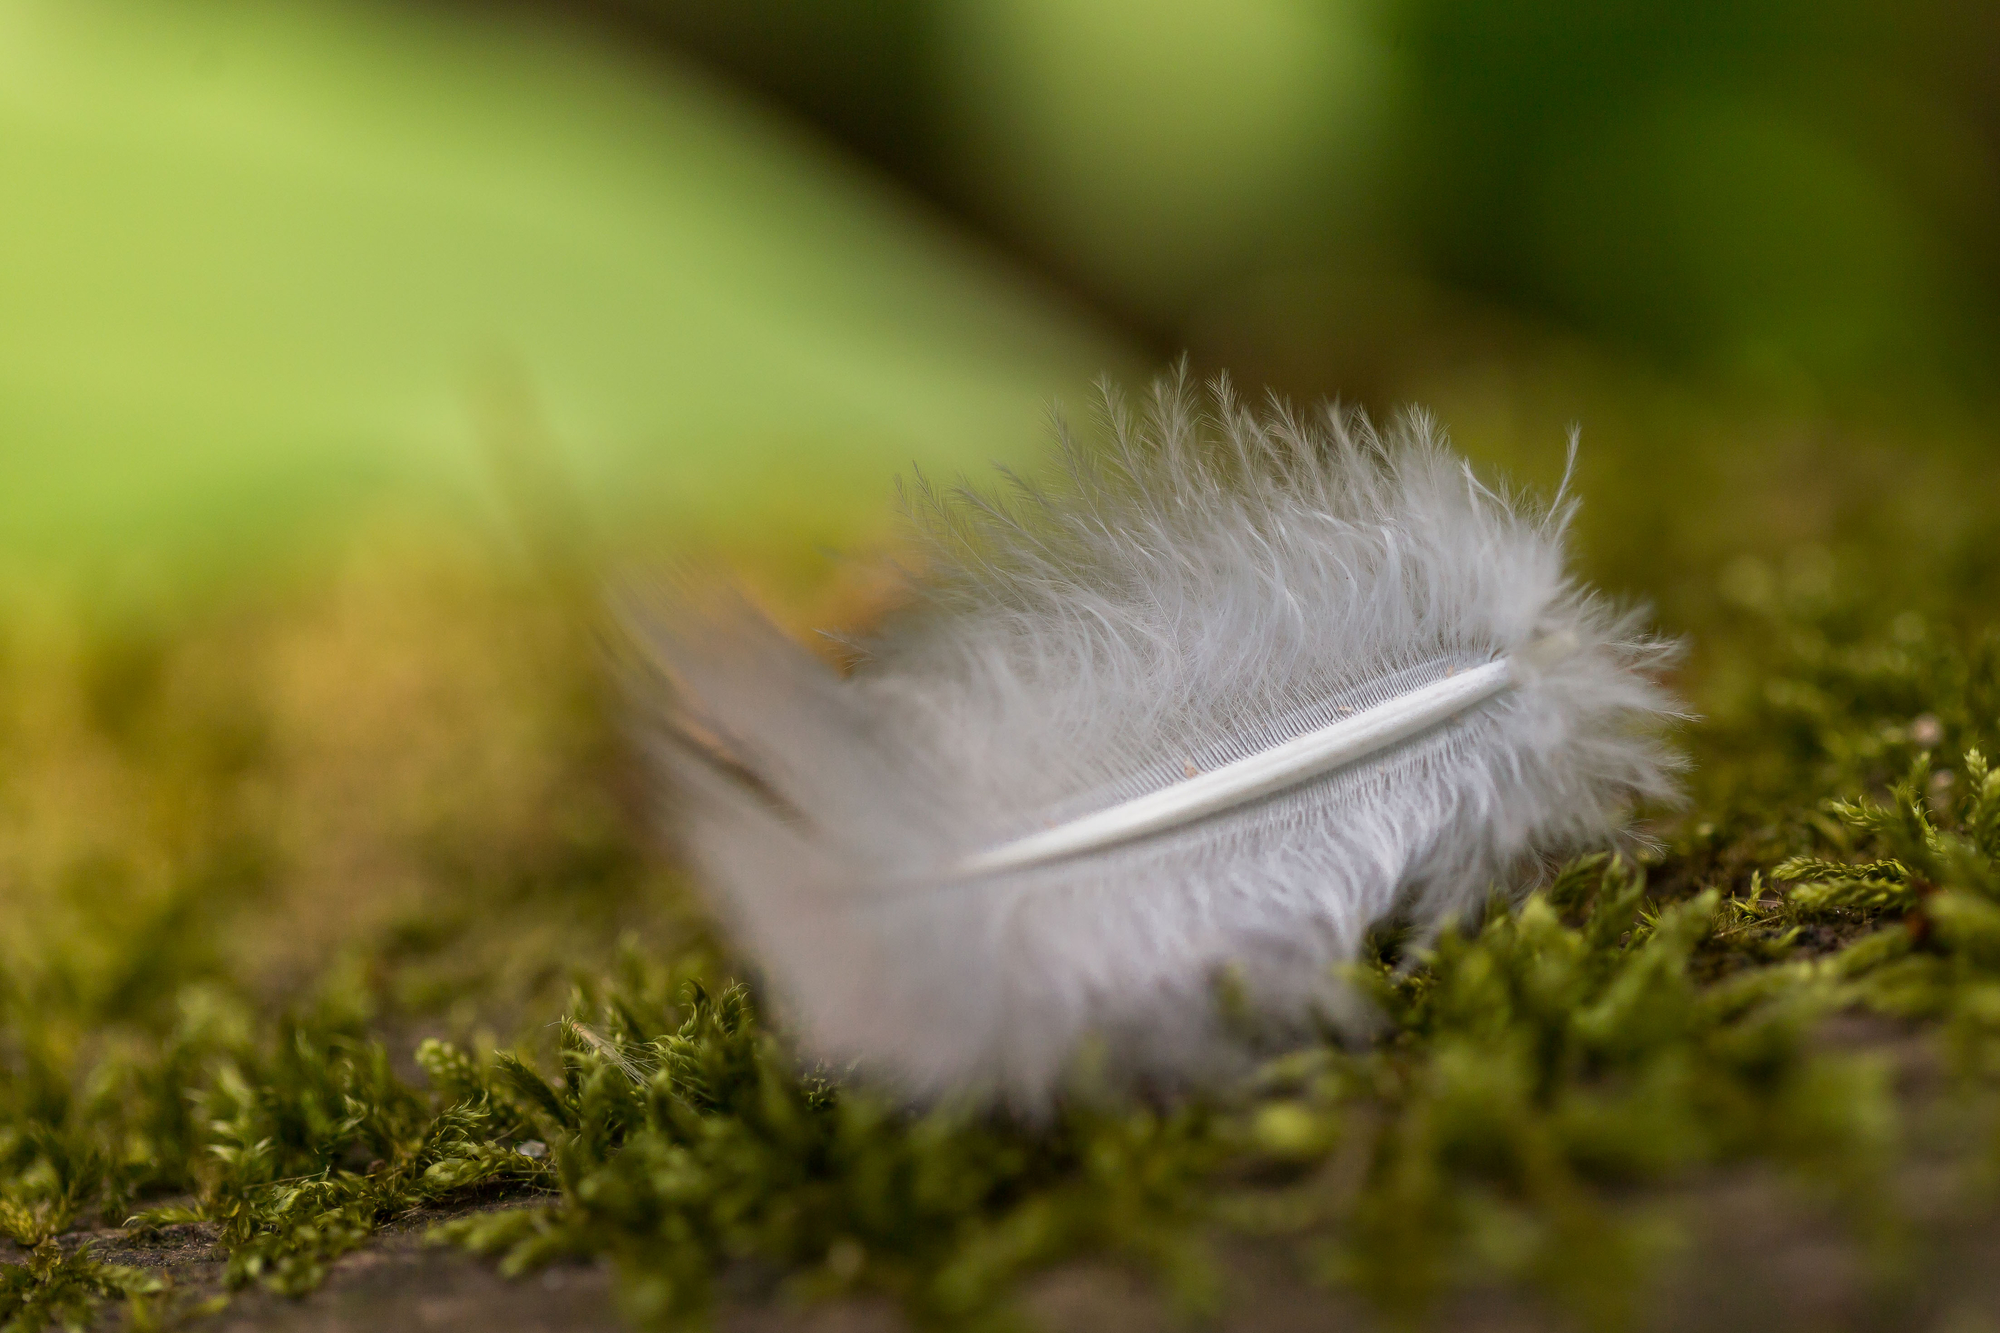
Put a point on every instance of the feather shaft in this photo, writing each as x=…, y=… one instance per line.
x=1347, y=741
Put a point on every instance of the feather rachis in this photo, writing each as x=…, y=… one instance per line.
x=1183, y=593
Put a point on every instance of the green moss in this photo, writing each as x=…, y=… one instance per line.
x=59, y=1288
x=201, y=1022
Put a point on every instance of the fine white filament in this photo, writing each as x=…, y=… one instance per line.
x=1225, y=693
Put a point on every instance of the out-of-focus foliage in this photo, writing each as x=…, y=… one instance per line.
x=1801, y=184
x=1162, y=149
x=260, y=262
x=254, y=260
x=1794, y=196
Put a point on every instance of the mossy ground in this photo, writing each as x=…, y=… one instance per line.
x=330, y=915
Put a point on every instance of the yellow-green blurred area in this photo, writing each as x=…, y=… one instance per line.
x=266, y=261
x=347, y=349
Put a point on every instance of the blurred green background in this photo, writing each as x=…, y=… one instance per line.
x=721, y=271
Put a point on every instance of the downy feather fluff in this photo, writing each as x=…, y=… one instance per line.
x=1208, y=587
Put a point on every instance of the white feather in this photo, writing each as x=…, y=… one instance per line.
x=1188, y=714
